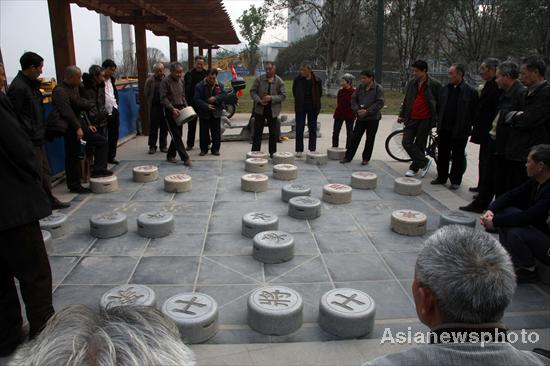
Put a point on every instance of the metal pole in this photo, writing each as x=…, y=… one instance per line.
x=379, y=41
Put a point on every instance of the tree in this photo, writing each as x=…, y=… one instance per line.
x=253, y=23
x=154, y=55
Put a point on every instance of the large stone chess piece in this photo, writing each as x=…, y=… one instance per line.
x=108, y=225
x=304, y=207
x=407, y=186
x=128, y=295
x=255, y=182
x=273, y=247
x=275, y=310
x=364, y=180
x=195, y=314
x=145, y=173
x=256, y=222
x=55, y=224
x=336, y=153
x=257, y=154
x=256, y=165
x=316, y=158
x=283, y=158
x=104, y=184
x=337, y=193
x=177, y=183
x=293, y=190
x=347, y=313
x=409, y=222
x=285, y=172
x=155, y=224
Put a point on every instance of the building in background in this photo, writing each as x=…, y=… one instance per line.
x=302, y=24
x=270, y=51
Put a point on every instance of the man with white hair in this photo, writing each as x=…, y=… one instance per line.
x=463, y=282
x=156, y=111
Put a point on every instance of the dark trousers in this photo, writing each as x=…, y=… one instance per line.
x=487, y=176
x=260, y=120
x=175, y=131
x=156, y=117
x=95, y=142
x=43, y=167
x=500, y=175
x=415, y=136
x=361, y=127
x=516, y=174
x=450, y=150
x=23, y=256
x=210, y=130
x=484, y=162
x=311, y=116
x=336, y=131
x=113, y=124
x=525, y=244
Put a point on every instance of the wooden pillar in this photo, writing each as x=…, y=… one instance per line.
x=141, y=60
x=201, y=50
x=190, y=55
x=173, y=49
x=209, y=57
x=62, y=35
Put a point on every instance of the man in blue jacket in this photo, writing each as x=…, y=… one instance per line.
x=520, y=216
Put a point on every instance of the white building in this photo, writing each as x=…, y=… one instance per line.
x=303, y=24
x=270, y=51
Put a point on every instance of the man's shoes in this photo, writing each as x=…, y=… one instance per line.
x=410, y=173
x=114, y=161
x=152, y=150
x=101, y=173
x=472, y=208
x=188, y=163
x=344, y=161
x=526, y=275
x=437, y=181
x=473, y=189
x=298, y=154
x=171, y=159
x=189, y=148
x=79, y=190
x=58, y=205
x=454, y=187
x=365, y=162
x=202, y=153
x=164, y=149
x=424, y=171
x=217, y=153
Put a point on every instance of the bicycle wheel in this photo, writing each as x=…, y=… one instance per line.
x=230, y=109
x=394, y=146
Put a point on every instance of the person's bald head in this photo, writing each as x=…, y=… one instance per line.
x=72, y=75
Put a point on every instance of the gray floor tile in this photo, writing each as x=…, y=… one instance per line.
x=88, y=295
x=164, y=292
x=329, y=222
x=389, y=241
x=401, y=263
x=227, y=244
x=304, y=244
x=166, y=270
x=232, y=301
x=343, y=242
x=528, y=298
x=300, y=269
x=230, y=270
x=72, y=244
x=127, y=244
x=176, y=244
x=356, y=267
x=102, y=270
x=60, y=267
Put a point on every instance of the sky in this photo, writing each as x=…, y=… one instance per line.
x=25, y=26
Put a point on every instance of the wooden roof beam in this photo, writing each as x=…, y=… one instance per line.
x=141, y=19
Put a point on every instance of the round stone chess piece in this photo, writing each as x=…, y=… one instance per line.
x=283, y=158
x=155, y=224
x=257, y=154
x=275, y=310
x=304, y=207
x=128, y=295
x=336, y=153
x=456, y=218
x=55, y=224
x=177, y=183
x=256, y=222
x=195, y=314
x=409, y=222
x=364, y=180
x=316, y=158
x=48, y=241
x=145, y=173
x=285, y=171
x=346, y=313
x=337, y=193
x=104, y=184
x=255, y=165
x=254, y=182
x=407, y=186
x=293, y=190
x=273, y=247
x=108, y=225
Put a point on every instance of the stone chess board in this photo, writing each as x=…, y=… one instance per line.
x=348, y=246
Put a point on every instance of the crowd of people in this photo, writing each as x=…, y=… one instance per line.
x=509, y=119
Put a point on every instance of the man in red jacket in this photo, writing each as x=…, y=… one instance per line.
x=343, y=112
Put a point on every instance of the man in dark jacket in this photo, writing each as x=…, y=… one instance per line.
x=191, y=79
x=68, y=109
x=209, y=95
x=419, y=114
x=307, y=90
x=520, y=216
x=366, y=102
x=156, y=111
x=458, y=105
x=22, y=251
x=26, y=98
x=531, y=125
x=111, y=105
x=485, y=114
x=93, y=89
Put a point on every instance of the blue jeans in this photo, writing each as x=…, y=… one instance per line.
x=311, y=126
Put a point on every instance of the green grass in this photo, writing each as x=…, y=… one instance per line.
x=328, y=104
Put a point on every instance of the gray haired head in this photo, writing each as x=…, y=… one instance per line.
x=158, y=66
x=123, y=335
x=176, y=65
x=469, y=273
x=71, y=71
x=491, y=63
x=509, y=68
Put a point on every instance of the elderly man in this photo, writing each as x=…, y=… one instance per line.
x=26, y=98
x=191, y=79
x=268, y=94
x=172, y=97
x=111, y=105
x=520, y=216
x=156, y=112
x=463, y=282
